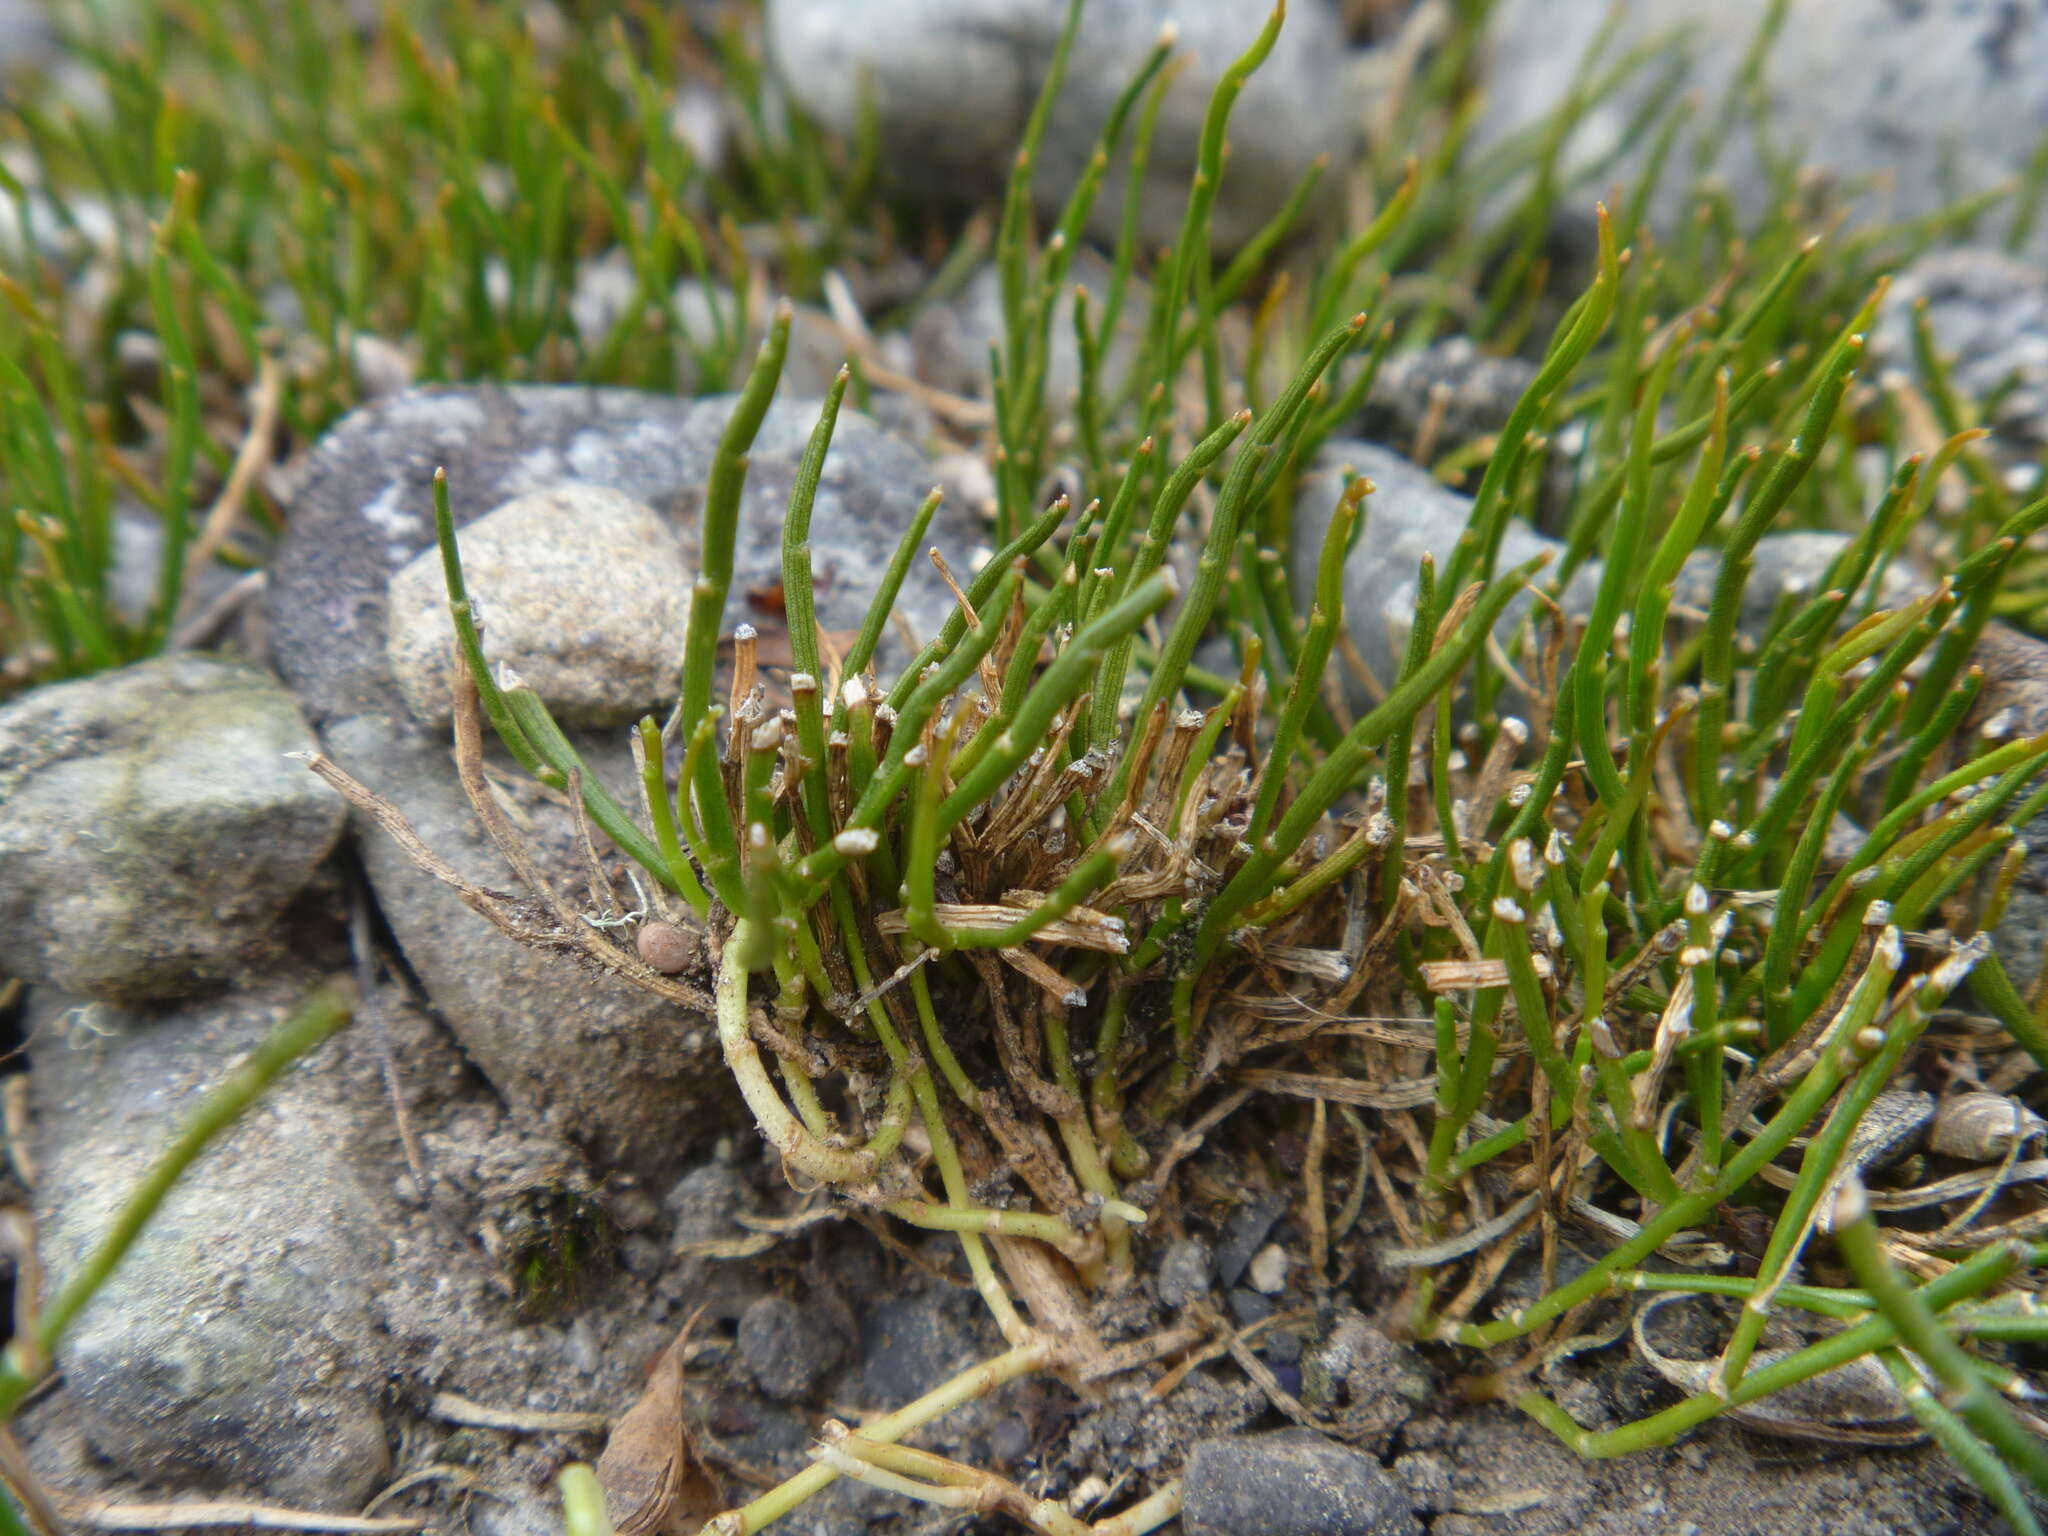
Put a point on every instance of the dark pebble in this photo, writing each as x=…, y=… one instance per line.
x=788, y=1349
x=1184, y=1272
x=1291, y=1482
x=1281, y=1348
x=1245, y=1234
x=1249, y=1307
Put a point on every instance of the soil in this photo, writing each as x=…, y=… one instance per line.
x=894, y=1313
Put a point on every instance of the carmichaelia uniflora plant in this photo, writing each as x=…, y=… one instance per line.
x=998, y=940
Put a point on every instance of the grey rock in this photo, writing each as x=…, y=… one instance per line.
x=588, y=600
x=236, y=1346
x=1409, y=514
x=1151, y=1438
x=1905, y=106
x=952, y=341
x=1268, y=1271
x=704, y=1202
x=1989, y=317
x=137, y=567
x=952, y=84
x=629, y=1078
x=365, y=508
x=1282, y=1346
x=1249, y=1307
x=151, y=831
x=1784, y=565
x=1291, y=1482
x=625, y=1076
x=521, y=1512
x=1184, y=1272
x=381, y=367
x=1477, y=391
x=2014, y=703
x=2021, y=936
x=788, y=1349
x=2015, y=697
x=27, y=39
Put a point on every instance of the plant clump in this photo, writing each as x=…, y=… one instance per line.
x=997, y=938
x=1606, y=936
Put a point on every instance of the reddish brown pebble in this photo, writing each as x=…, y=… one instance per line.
x=667, y=948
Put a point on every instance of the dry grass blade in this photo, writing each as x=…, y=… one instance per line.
x=1083, y=928
x=1411, y=1093
x=456, y=1409
x=1473, y=975
x=207, y=1514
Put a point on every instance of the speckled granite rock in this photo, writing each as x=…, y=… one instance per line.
x=589, y=596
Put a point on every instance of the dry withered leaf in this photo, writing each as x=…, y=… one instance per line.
x=1856, y=1403
x=652, y=1476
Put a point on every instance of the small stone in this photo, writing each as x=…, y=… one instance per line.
x=1448, y=390
x=1410, y=514
x=1249, y=1307
x=1291, y=1482
x=632, y=1208
x=583, y=593
x=1355, y=1372
x=911, y=1343
x=27, y=38
x=951, y=345
x=381, y=367
x=628, y=1077
x=1427, y=1477
x=669, y=948
x=151, y=828
x=1268, y=1270
x=703, y=1203
x=1282, y=1346
x=788, y=1349
x=967, y=481
x=1184, y=1270
x=1785, y=565
x=1009, y=1440
x=1245, y=1233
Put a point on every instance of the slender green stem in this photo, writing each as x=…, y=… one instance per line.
x=26, y=1360
x=1920, y=1330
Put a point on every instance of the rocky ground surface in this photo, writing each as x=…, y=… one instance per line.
x=445, y=1252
